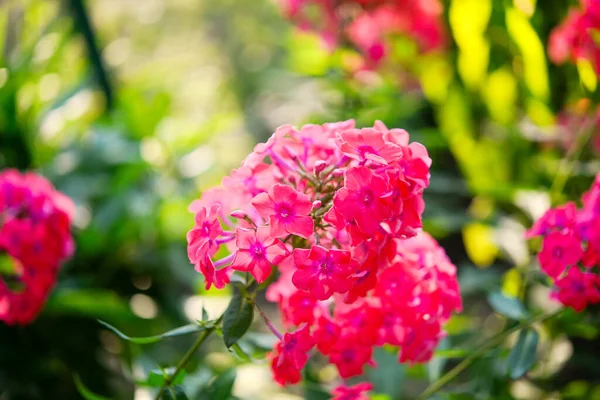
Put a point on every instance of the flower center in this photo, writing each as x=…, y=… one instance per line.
x=257, y=250
x=557, y=252
x=284, y=211
x=366, y=197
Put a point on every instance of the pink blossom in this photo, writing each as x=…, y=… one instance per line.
x=356, y=392
x=257, y=252
x=286, y=209
x=289, y=356
x=323, y=272
x=559, y=251
x=360, y=199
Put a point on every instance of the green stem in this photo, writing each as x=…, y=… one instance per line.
x=491, y=343
x=187, y=357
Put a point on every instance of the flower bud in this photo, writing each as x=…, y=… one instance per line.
x=319, y=167
x=239, y=214
x=316, y=204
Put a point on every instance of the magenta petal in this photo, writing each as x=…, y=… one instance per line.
x=243, y=261
x=245, y=238
x=261, y=271
x=263, y=205
x=302, y=226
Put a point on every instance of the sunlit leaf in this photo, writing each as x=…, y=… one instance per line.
x=182, y=330
x=523, y=354
x=510, y=307
x=532, y=50
x=478, y=239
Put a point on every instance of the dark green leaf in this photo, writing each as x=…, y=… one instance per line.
x=182, y=330
x=175, y=393
x=157, y=377
x=237, y=318
x=85, y=392
x=221, y=387
x=523, y=354
x=510, y=307
x=204, y=314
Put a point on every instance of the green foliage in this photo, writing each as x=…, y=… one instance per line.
x=182, y=330
x=523, y=355
x=510, y=307
x=237, y=318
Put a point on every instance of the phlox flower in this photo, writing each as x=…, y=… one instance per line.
x=356, y=392
x=289, y=356
x=323, y=272
x=559, y=251
x=360, y=199
x=286, y=210
x=257, y=252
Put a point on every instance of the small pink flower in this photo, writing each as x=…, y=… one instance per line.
x=286, y=209
x=289, y=356
x=323, y=272
x=356, y=392
x=558, y=252
x=360, y=199
x=326, y=334
x=350, y=358
x=257, y=252
x=368, y=144
x=207, y=229
x=577, y=289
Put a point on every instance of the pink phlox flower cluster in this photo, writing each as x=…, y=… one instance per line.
x=570, y=252
x=577, y=38
x=35, y=238
x=369, y=24
x=336, y=211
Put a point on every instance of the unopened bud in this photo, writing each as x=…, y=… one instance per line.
x=338, y=172
x=317, y=204
x=319, y=167
x=239, y=214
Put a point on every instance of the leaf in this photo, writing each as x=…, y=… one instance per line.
x=388, y=378
x=204, y=314
x=174, y=393
x=523, y=354
x=182, y=330
x=221, y=387
x=510, y=307
x=85, y=392
x=237, y=318
x=157, y=377
x=96, y=303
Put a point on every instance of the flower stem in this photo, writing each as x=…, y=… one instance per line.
x=268, y=322
x=187, y=357
x=491, y=343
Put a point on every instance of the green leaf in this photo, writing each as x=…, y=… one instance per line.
x=221, y=387
x=96, y=303
x=510, y=307
x=157, y=377
x=523, y=355
x=389, y=377
x=204, y=314
x=175, y=393
x=237, y=318
x=85, y=392
x=182, y=330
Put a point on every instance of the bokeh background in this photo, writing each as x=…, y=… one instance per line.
x=132, y=108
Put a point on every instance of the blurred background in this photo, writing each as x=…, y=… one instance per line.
x=132, y=108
